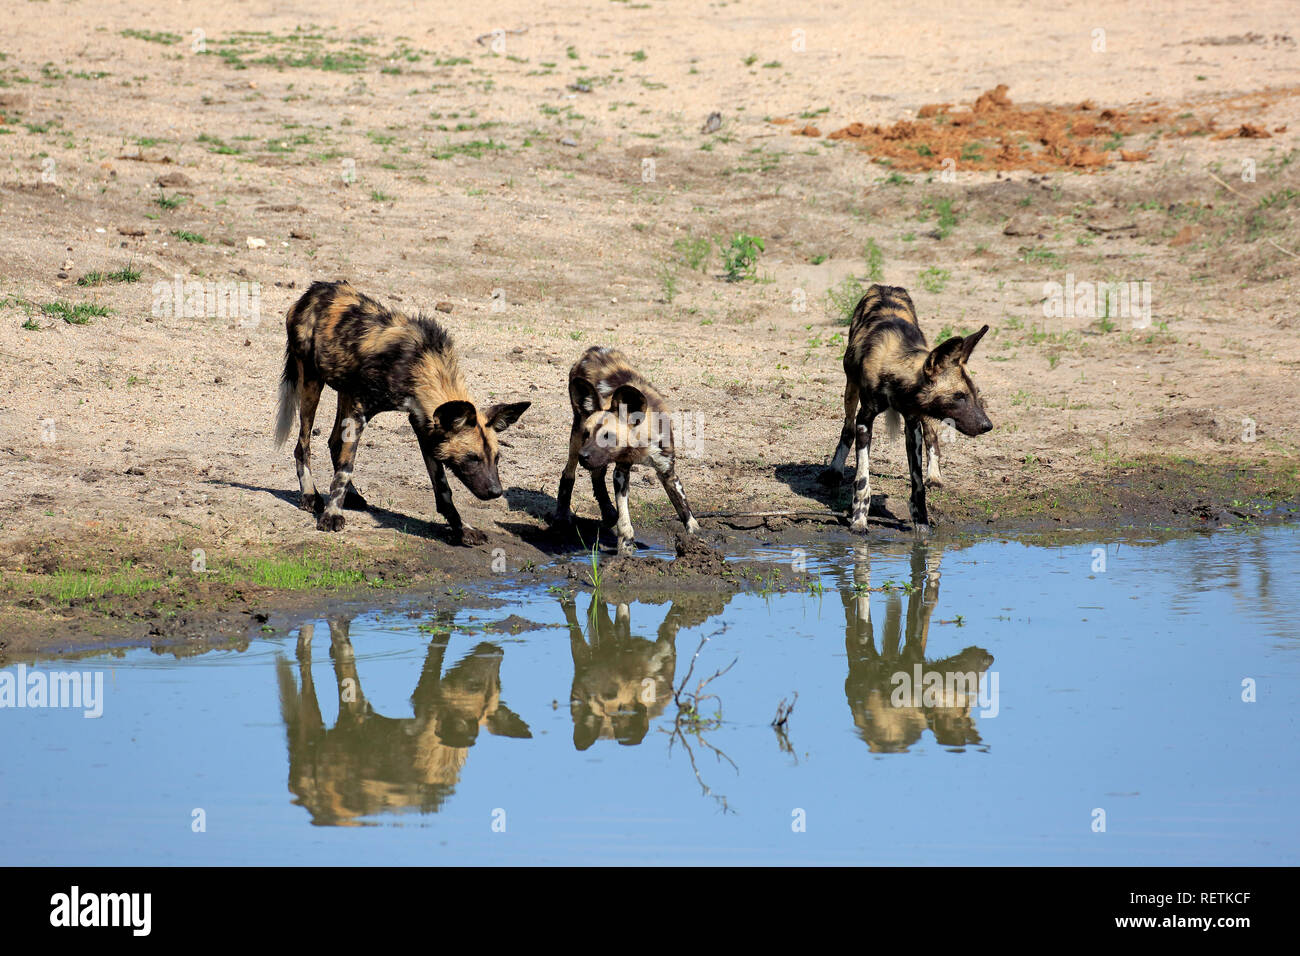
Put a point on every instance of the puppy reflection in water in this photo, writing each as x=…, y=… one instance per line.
x=368, y=763
x=621, y=682
x=895, y=693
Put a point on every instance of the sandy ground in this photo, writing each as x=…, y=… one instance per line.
x=548, y=182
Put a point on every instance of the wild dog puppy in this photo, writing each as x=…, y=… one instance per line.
x=379, y=360
x=619, y=419
x=889, y=368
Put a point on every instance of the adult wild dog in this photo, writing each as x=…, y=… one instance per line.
x=619, y=419
x=379, y=360
x=889, y=368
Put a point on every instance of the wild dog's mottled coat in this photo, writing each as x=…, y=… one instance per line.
x=379, y=360
x=889, y=367
x=619, y=418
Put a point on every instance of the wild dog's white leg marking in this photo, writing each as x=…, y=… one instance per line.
x=352, y=426
x=626, y=542
x=932, y=474
x=663, y=466
x=862, y=482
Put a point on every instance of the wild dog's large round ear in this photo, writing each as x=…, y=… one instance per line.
x=583, y=396
x=943, y=355
x=970, y=341
x=630, y=397
x=451, y=417
x=501, y=417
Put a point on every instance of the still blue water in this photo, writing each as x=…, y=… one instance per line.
x=1109, y=720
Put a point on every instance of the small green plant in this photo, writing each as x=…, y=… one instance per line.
x=377, y=196
x=934, y=279
x=875, y=261
x=842, y=299
x=1280, y=199
x=668, y=282
x=79, y=314
x=126, y=274
x=740, y=256
x=31, y=325
x=168, y=202
x=193, y=237
x=151, y=36
x=947, y=218
x=694, y=252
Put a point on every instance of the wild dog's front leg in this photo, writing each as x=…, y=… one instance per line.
x=663, y=467
x=564, y=499
x=933, y=477
x=353, y=498
x=332, y=518
x=622, y=477
x=308, y=398
x=461, y=533
x=862, y=481
x=915, y=464
x=835, y=473
x=608, y=516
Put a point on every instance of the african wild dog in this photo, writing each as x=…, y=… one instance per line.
x=889, y=368
x=379, y=360
x=620, y=419
x=367, y=763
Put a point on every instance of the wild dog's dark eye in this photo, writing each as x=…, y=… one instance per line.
x=959, y=397
x=475, y=459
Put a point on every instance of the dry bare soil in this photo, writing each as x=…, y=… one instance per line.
x=546, y=172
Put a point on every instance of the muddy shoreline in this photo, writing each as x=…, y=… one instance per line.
x=176, y=610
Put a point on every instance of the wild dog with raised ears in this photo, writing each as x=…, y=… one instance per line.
x=379, y=360
x=889, y=368
x=619, y=419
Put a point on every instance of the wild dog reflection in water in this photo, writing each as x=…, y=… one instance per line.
x=890, y=706
x=621, y=682
x=368, y=763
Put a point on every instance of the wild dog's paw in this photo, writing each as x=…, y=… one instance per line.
x=922, y=527
x=311, y=503
x=330, y=521
x=562, y=519
x=830, y=478
x=934, y=480
x=627, y=547
x=692, y=527
x=354, y=501
x=858, y=525
x=471, y=537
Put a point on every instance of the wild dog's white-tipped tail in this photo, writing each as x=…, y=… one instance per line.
x=893, y=423
x=288, y=401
